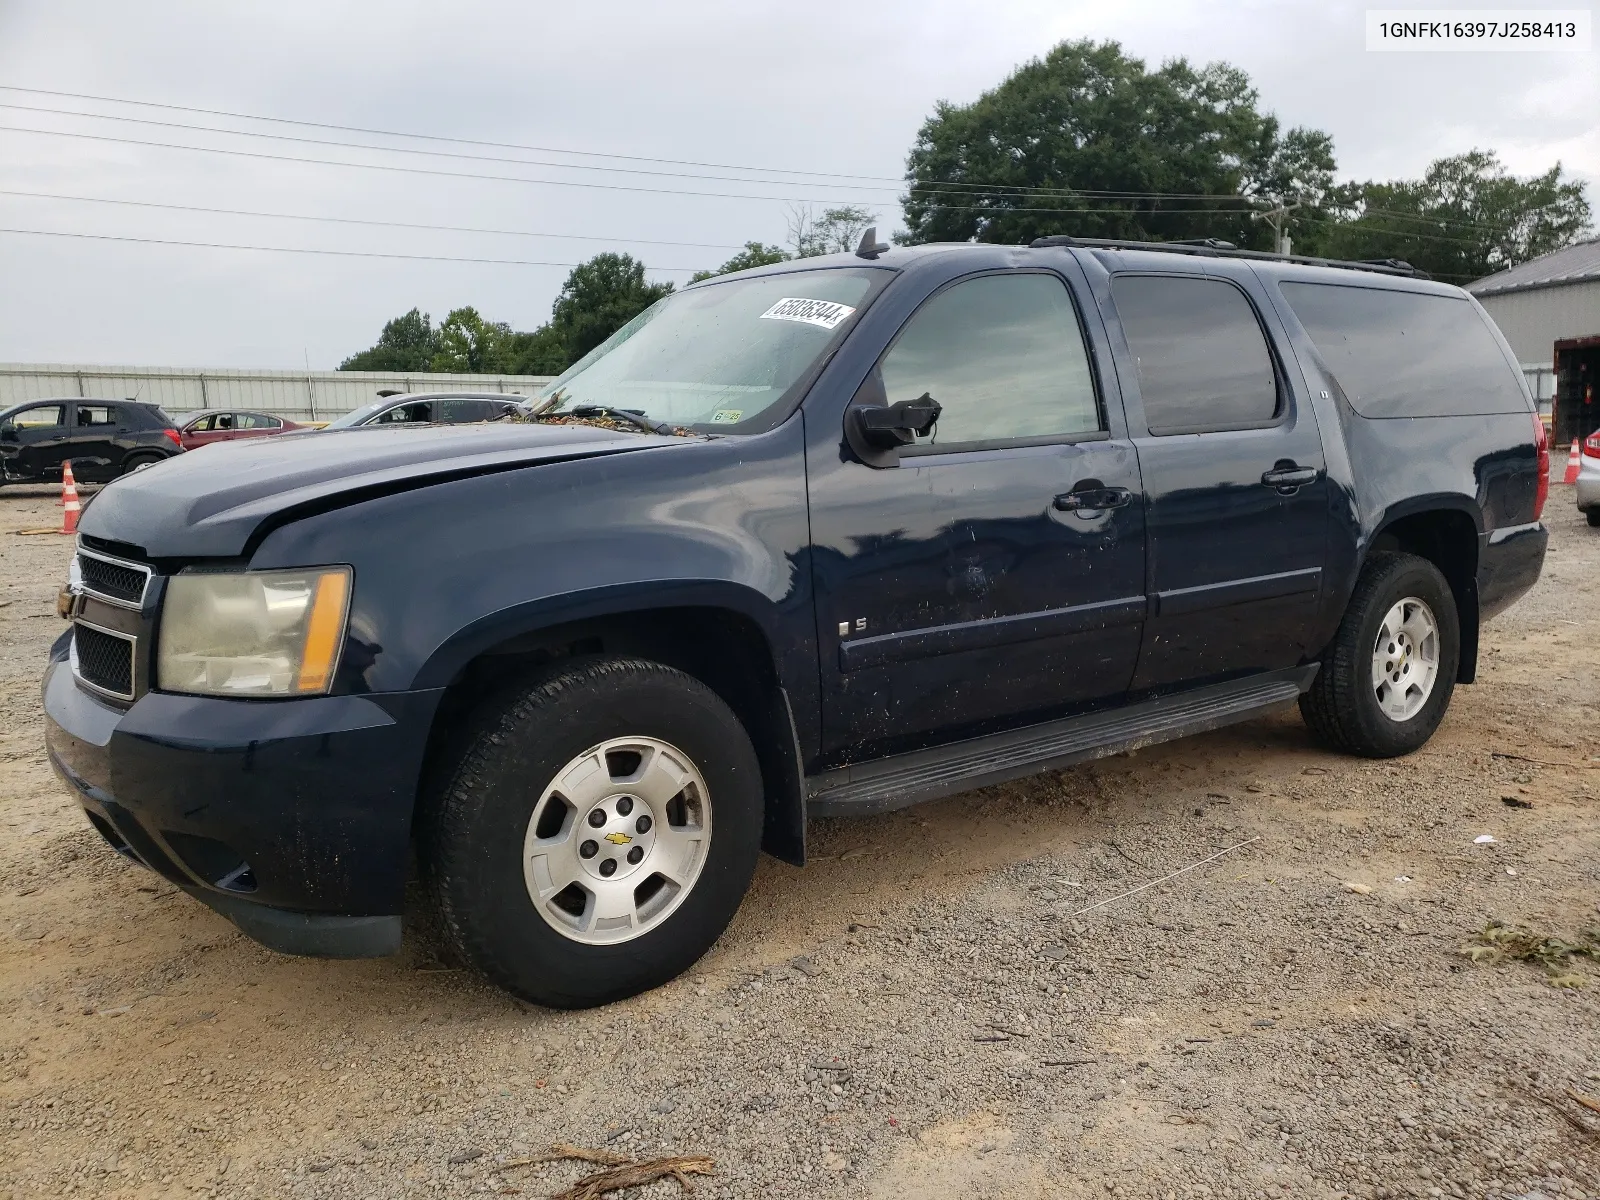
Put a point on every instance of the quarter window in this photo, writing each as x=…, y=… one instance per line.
x=1202, y=359
x=1004, y=357
x=1407, y=354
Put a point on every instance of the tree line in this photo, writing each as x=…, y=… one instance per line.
x=1089, y=142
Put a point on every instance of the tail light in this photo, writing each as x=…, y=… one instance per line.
x=177, y=439
x=1591, y=445
x=1541, y=442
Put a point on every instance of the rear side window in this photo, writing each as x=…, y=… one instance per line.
x=259, y=421
x=457, y=411
x=1003, y=356
x=1406, y=354
x=1202, y=359
x=96, y=414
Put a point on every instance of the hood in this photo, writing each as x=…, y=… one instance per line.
x=207, y=503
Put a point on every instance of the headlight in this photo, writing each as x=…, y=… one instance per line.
x=259, y=633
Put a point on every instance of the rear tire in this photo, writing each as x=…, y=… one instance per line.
x=1384, y=697
x=569, y=911
x=1594, y=516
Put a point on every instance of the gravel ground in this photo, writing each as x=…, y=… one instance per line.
x=927, y=1010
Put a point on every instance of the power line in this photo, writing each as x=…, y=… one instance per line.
x=611, y=187
x=278, y=216
x=212, y=112
x=491, y=158
x=959, y=187
x=450, y=258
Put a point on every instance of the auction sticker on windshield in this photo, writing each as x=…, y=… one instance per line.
x=823, y=313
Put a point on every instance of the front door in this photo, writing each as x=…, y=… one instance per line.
x=36, y=441
x=1233, y=471
x=994, y=575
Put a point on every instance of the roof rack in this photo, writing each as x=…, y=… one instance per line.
x=1215, y=248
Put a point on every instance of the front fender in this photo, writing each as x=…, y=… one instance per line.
x=446, y=571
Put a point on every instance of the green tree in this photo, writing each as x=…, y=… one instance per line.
x=754, y=254
x=469, y=345
x=835, y=231
x=407, y=343
x=600, y=297
x=1467, y=217
x=1087, y=141
x=541, y=352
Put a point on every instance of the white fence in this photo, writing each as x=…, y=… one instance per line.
x=297, y=395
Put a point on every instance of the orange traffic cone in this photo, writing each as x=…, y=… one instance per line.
x=70, y=507
x=1573, y=464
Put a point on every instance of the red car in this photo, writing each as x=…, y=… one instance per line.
x=207, y=427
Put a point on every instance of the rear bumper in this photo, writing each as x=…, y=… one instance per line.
x=1509, y=562
x=291, y=818
x=1588, y=483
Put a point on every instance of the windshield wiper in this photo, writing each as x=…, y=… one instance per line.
x=630, y=415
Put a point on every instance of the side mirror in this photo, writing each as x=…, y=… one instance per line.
x=898, y=424
x=8, y=433
x=876, y=430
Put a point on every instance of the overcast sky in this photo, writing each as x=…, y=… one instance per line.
x=820, y=87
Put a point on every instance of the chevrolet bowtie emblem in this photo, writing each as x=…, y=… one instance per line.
x=618, y=839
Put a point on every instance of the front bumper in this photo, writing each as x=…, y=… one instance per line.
x=291, y=817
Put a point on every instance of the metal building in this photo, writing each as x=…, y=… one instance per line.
x=297, y=395
x=1549, y=310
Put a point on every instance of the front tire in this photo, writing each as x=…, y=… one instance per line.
x=594, y=832
x=1387, y=677
x=1594, y=516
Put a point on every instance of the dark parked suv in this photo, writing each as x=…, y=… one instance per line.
x=102, y=438
x=828, y=537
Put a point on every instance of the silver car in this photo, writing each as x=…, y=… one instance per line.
x=432, y=408
x=1589, y=478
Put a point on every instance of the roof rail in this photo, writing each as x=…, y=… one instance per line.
x=1215, y=248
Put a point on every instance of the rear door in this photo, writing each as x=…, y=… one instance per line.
x=93, y=444
x=1234, y=475
x=994, y=575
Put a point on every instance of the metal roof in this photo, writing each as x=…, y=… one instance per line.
x=1575, y=264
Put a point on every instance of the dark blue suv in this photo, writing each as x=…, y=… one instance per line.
x=829, y=537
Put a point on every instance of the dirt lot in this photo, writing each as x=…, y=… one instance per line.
x=925, y=1011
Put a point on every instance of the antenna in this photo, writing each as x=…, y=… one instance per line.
x=870, y=246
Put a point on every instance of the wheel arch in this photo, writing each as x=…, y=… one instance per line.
x=721, y=634
x=1447, y=531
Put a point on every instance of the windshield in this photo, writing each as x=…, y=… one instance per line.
x=719, y=356
x=360, y=414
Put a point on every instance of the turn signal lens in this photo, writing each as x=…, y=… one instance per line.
x=324, y=632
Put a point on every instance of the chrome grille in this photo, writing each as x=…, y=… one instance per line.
x=114, y=580
x=103, y=660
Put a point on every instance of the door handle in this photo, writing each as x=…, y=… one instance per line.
x=1092, y=499
x=1287, y=477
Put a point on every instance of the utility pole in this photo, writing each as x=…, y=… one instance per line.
x=1278, y=217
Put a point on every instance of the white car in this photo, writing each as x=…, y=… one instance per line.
x=1589, y=478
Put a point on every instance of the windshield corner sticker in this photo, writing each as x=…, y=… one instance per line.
x=823, y=313
x=727, y=416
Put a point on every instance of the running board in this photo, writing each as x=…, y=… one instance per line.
x=907, y=779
